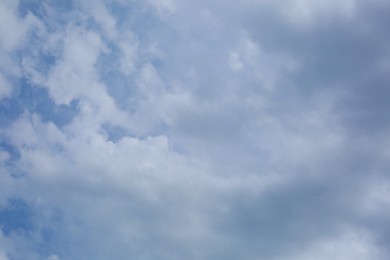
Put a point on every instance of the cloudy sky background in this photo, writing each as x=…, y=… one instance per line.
x=178, y=129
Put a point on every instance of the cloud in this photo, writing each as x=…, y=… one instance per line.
x=164, y=7
x=5, y=87
x=13, y=36
x=194, y=130
x=354, y=245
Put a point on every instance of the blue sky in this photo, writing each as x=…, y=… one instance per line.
x=178, y=129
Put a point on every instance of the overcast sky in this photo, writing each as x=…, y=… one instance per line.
x=199, y=130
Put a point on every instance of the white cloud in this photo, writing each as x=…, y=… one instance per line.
x=75, y=76
x=4, y=244
x=231, y=142
x=12, y=28
x=98, y=10
x=163, y=7
x=235, y=61
x=305, y=13
x=53, y=257
x=13, y=36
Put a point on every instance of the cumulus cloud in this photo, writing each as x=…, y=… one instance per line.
x=194, y=130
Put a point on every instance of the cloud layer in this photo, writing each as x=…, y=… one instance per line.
x=194, y=129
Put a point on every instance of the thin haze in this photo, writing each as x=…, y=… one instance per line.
x=205, y=130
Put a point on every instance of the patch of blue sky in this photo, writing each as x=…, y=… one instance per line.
x=159, y=128
x=16, y=215
x=124, y=13
x=36, y=100
x=131, y=15
x=121, y=88
x=141, y=21
x=10, y=109
x=50, y=239
x=115, y=133
x=38, y=7
x=26, y=6
x=34, y=7
x=43, y=60
x=52, y=14
x=12, y=151
x=19, y=216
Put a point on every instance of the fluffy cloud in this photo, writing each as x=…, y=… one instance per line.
x=13, y=35
x=194, y=130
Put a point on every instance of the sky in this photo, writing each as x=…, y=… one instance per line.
x=208, y=129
